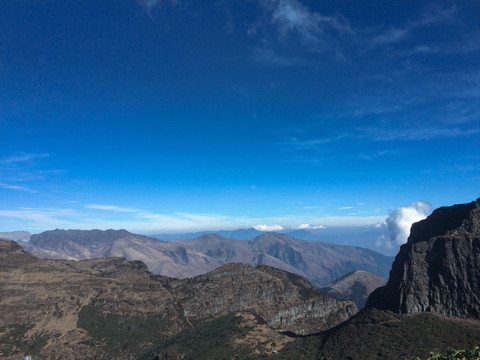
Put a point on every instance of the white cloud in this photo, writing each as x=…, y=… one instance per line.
x=308, y=226
x=39, y=219
x=400, y=220
x=17, y=187
x=97, y=216
x=435, y=15
x=22, y=157
x=290, y=16
x=110, y=208
x=345, y=208
x=264, y=227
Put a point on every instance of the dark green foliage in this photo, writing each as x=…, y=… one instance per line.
x=455, y=354
x=13, y=341
x=375, y=334
x=212, y=340
x=122, y=334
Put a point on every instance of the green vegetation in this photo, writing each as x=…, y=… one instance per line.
x=122, y=334
x=455, y=354
x=13, y=340
x=375, y=334
x=143, y=337
x=212, y=340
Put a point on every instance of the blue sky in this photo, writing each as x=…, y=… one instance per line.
x=160, y=116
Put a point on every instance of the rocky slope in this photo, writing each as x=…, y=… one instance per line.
x=318, y=261
x=430, y=302
x=355, y=286
x=111, y=307
x=438, y=269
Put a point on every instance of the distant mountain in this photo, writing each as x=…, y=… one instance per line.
x=318, y=261
x=364, y=236
x=239, y=234
x=110, y=308
x=18, y=236
x=355, y=286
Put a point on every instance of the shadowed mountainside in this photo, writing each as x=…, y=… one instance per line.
x=318, y=261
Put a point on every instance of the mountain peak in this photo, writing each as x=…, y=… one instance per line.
x=438, y=269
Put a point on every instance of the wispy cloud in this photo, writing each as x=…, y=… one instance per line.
x=390, y=36
x=148, y=5
x=41, y=219
x=110, y=208
x=291, y=17
x=17, y=187
x=417, y=133
x=268, y=56
x=22, y=157
x=384, y=134
x=433, y=15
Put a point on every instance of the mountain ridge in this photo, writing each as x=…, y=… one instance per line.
x=318, y=261
x=111, y=307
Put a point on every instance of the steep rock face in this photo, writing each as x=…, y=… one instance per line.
x=284, y=300
x=438, y=269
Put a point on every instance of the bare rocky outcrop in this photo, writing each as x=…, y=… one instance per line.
x=284, y=300
x=438, y=269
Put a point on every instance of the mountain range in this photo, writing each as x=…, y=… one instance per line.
x=114, y=308
x=318, y=261
x=346, y=235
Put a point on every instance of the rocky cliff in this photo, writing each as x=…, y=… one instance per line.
x=438, y=269
x=114, y=308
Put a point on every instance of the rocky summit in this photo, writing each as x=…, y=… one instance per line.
x=113, y=308
x=438, y=269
